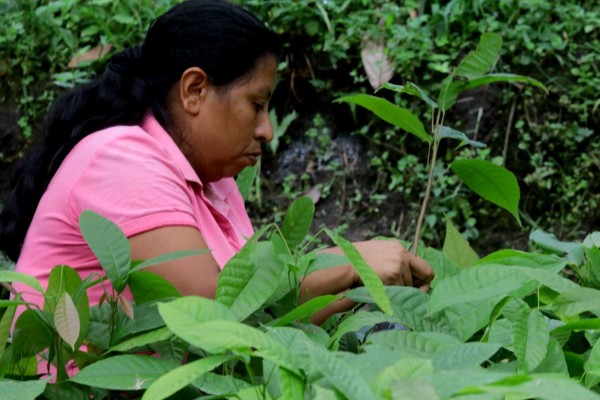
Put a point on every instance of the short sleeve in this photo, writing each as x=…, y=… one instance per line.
x=131, y=180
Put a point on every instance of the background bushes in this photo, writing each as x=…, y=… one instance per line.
x=367, y=176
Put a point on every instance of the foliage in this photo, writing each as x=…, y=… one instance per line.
x=508, y=324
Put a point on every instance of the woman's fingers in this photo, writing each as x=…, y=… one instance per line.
x=421, y=271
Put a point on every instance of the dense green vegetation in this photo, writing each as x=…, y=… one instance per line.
x=510, y=325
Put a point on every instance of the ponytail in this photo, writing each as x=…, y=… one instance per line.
x=223, y=39
x=117, y=97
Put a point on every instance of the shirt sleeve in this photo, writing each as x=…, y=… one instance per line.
x=131, y=180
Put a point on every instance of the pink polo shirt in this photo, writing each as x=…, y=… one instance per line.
x=137, y=177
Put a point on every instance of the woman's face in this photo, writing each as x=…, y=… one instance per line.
x=225, y=135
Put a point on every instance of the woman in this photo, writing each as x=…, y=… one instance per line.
x=153, y=144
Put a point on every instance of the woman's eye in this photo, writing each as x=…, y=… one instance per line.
x=260, y=106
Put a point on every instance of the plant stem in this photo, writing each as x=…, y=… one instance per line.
x=426, y=199
x=439, y=118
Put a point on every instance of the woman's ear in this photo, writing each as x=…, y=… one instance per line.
x=192, y=87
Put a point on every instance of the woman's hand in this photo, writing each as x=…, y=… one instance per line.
x=393, y=264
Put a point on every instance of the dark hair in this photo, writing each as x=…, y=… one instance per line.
x=223, y=39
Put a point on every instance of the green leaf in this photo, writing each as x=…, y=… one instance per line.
x=125, y=19
x=64, y=279
x=511, y=258
x=221, y=336
x=26, y=390
x=325, y=261
x=147, y=286
x=576, y=301
x=449, y=133
x=414, y=389
x=5, y=324
x=457, y=249
x=554, y=362
x=212, y=383
x=390, y=113
x=12, y=276
x=176, y=255
x=355, y=322
x=126, y=372
x=448, y=93
x=194, y=308
x=495, y=184
x=345, y=379
x=305, y=310
x=32, y=334
x=478, y=62
x=245, y=179
x=66, y=320
x=366, y=273
x=493, y=78
x=468, y=318
x=292, y=386
x=144, y=339
x=413, y=90
x=573, y=250
x=410, y=308
x=543, y=386
x=476, y=284
x=249, y=279
x=297, y=221
x=109, y=244
x=530, y=339
x=180, y=377
x=584, y=324
x=405, y=368
x=592, y=366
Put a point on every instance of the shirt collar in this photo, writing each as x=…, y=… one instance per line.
x=153, y=127
x=218, y=191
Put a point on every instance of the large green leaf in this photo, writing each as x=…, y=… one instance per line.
x=511, y=258
x=405, y=368
x=591, y=323
x=109, y=244
x=305, y=310
x=476, y=284
x=457, y=249
x=249, y=279
x=468, y=318
x=147, y=286
x=495, y=184
x=27, y=390
x=576, y=301
x=554, y=362
x=297, y=221
x=126, y=372
x=390, y=113
x=212, y=383
x=494, y=78
x=478, y=62
x=326, y=261
x=143, y=340
x=245, y=179
x=180, y=377
x=547, y=241
x=194, y=308
x=442, y=267
x=530, y=336
x=12, y=276
x=410, y=308
x=208, y=325
x=66, y=320
x=147, y=318
x=292, y=386
x=369, y=278
x=542, y=386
